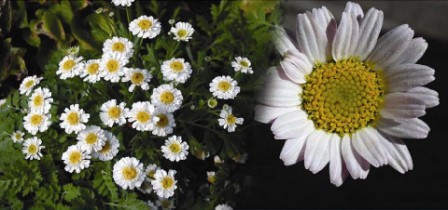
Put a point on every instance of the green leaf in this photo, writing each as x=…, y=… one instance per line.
x=52, y=26
x=104, y=184
x=71, y=192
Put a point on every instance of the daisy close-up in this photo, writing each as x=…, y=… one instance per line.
x=347, y=98
x=17, y=136
x=91, y=70
x=224, y=87
x=28, y=84
x=142, y=116
x=36, y=121
x=74, y=119
x=40, y=100
x=76, y=158
x=243, y=65
x=167, y=97
x=109, y=149
x=92, y=138
x=228, y=120
x=32, y=148
x=113, y=113
x=70, y=66
x=182, y=31
x=128, y=173
x=176, y=69
x=145, y=27
x=137, y=77
x=166, y=122
x=175, y=149
x=164, y=183
x=123, y=3
x=111, y=66
x=119, y=45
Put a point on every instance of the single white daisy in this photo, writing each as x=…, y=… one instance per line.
x=91, y=70
x=182, y=31
x=176, y=69
x=142, y=116
x=166, y=122
x=145, y=27
x=70, y=66
x=167, y=97
x=150, y=171
x=223, y=207
x=92, y=138
x=174, y=149
x=228, y=120
x=36, y=121
x=40, y=100
x=224, y=87
x=111, y=113
x=119, y=45
x=111, y=66
x=31, y=148
x=211, y=177
x=165, y=203
x=346, y=98
x=123, y=3
x=28, y=84
x=138, y=77
x=109, y=149
x=17, y=136
x=128, y=173
x=242, y=64
x=76, y=158
x=73, y=119
x=164, y=183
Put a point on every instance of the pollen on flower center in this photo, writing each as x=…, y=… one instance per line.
x=167, y=182
x=344, y=96
x=32, y=149
x=38, y=100
x=231, y=119
x=75, y=157
x=182, y=33
x=114, y=112
x=143, y=116
x=175, y=148
x=137, y=78
x=73, y=118
x=93, y=68
x=91, y=138
x=176, y=66
x=36, y=119
x=144, y=24
x=118, y=46
x=112, y=66
x=129, y=173
x=29, y=84
x=167, y=97
x=224, y=86
x=163, y=120
x=106, y=148
x=244, y=64
x=68, y=65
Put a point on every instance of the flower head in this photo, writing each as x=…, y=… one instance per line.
x=76, y=158
x=242, y=64
x=70, y=66
x=73, y=119
x=167, y=97
x=223, y=207
x=145, y=27
x=128, y=173
x=137, y=77
x=164, y=183
x=40, y=100
x=182, y=31
x=224, y=87
x=109, y=149
x=142, y=116
x=228, y=120
x=119, y=45
x=92, y=138
x=17, y=136
x=31, y=148
x=36, y=121
x=111, y=66
x=28, y=84
x=123, y=3
x=150, y=171
x=91, y=70
x=176, y=69
x=211, y=177
x=165, y=124
x=112, y=112
x=174, y=149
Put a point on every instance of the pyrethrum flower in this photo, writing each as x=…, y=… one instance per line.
x=69, y=67
x=182, y=31
x=165, y=124
x=31, y=148
x=141, y=116
x=242, y=64
x=167, y=97
x=174, y=149
x=223, y=207
x=123, y=3
x=224, y=87
x=211, y=177
x=228, y=120
x=145, y=27
x=109, y=149
x=36, y=121
x=17, y=136
x=137, y=77
x=176, y=69
x=40, y=100
x=92, y=138
x=28, y=84
x=111, y=113
x=111, y=66
x=119, y=45
x=164, y=183
x=91, y=70
x=350, y=110
x=128, y=173
x=73, y=119
x=76, y=158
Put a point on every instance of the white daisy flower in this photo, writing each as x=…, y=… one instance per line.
x=36, y=121
x=76, y=158
x=123, y=3
x=182, y=31
x=223, y=207
x=242, y=64
x=40, y=100
x=164, y=183
x=17, y=136
x=166, y=122
x=128, y=173
x=346, y=98
x=70, y=66
x=150, y=171
x=111, y=66
x=111, y=113
x=228, y=120
x=73, y=119
x=176, y=69
x=28, y=84
x=31, y=148
x=165, y=203
x=118, y=45
x=174, y=149
x=211, y=177
x=92, y=138
x=145, y=27
x=138, y=77
x=91, y=71
x=142, y=116
x=224, y=87
x=109, y=149
x=167, y=97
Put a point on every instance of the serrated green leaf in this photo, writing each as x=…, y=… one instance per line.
x=70, y=192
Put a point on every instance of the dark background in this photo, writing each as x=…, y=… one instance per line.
x=270, y=184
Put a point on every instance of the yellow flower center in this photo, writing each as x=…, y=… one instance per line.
x=73, y=118
x=137, y=78
x=182, y=33
x=342, y=97
x=91, y=138
x=68, y=65
x=167, y=97
x=36, y=119
x=175, y=148
x=176, y=66
x=75, y=157
x=38, y=100
x=211, y=179
x=167, y=182
x=29, y=84
x=118, y=46
x=224, y=86
x=114, y=112
x=112, y=66
x=244, y=64
x=129, y=172
x=106, y=148
x=32, y=149
x=143, y=116
x=18, y=136
x=92, y=69
x=230, y=119
x=163, y=121
x=144, y=24
x=151, y=174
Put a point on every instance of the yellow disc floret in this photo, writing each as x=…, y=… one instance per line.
x=175, y=148
x=176, y=66
x=137, y=78
x=118, y=46
x=114, y=112
x=75, y=157
x=129, y=173
x=93, y=68
x=344, y=96
x=144, y=24
x=167, y=182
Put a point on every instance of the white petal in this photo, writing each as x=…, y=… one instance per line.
x=356, y=165
x=296, y=66
x=324, y=19
x=428, y=96
x=368, y=33
x=311, y=39
x=293, y=150
x=355, y=9
x=280, y=93
x=398, y=154
x=403, y=111
x=317, y=151
x=413, y=53
x=406, y=76
x=284, y=128
x=283, y=43
x=404, y=128
x=367, y=145
x=266, y=114
x=338, y=172
x=346, y=37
